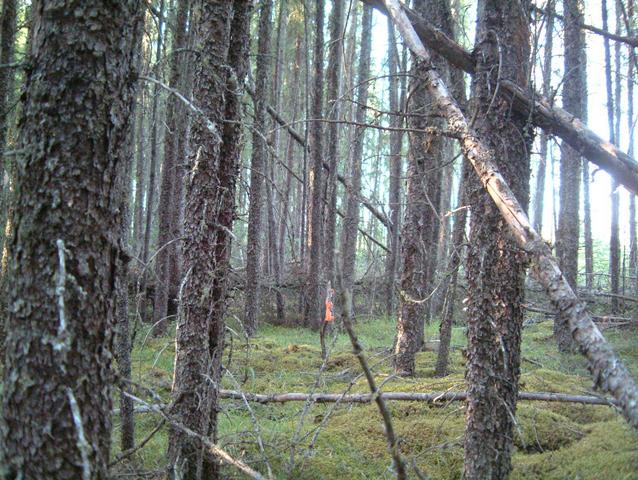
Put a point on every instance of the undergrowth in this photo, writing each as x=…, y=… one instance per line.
x=552, y=440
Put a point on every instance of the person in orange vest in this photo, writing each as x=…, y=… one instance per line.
x=327, y=320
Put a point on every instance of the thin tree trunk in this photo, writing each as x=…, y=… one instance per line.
x=8, y=25
x=613, y=105
x=351, y=220
x=140, y=168
x=66, y=256
x=633, y=246
x=258, y=170
x=539, y=195
x=420, y=230
x=169, y=204
x=333, y=91
x=151, y=187
x=574, y=84
x=395, y=168
x=209, y=213
x=313, y=311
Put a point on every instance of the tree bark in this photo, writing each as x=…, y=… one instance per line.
x=495, y=267
x=333, y=77
x=169, y=202
x=258, y=170
x=67, y=258
x=608, y=371
x=222, y=29
x=313, y=311
x=351, y=220
x=633, y=244
x=574, y=102
x=396, y=169
x=426, y=155
x=8, y=25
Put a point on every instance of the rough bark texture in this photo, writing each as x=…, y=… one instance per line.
x=395, y=168
x=7, y=75
x=66, y=254
x=495, y=266
x=222, y=38
x=609, y=373
x=421, y=228
x=351, y=220
x=313, y=310
x=169, y=203
x=539, y=194
x=574, y=102
x=333, y=78
x=258, y=170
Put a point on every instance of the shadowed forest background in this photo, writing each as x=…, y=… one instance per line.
x=318, y=239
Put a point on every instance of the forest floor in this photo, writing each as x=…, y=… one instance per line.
x=553, y=440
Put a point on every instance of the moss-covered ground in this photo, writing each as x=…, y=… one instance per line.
x=553, y=440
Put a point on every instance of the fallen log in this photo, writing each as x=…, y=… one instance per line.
x=552, y=119
x=432, y=398
x=608, y=371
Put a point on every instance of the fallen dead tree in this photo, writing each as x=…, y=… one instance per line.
x=608, y=371
x=431, y=398
x=552, y=119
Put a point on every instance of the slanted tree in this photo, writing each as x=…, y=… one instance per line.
x=495, y=265
x=66, y=255
x=567, y=236
x=221, y=38
x=258, y=169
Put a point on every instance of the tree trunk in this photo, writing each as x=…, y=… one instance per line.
x=574, y=84
x=539, y=195
x=222, y=29
x=633, y=246
x=313, y=310
x=258, y=170
x=395, y=168
x=140, y=168
x=351, y=220
x=420, y=231
x=169, y=203
x=495, y=267
x=66, y=255
x=333, y=77
x=7, y=75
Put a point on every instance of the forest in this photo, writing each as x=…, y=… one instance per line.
x=318, y=239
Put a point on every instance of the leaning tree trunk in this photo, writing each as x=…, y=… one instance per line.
x=258, y=170
x=495, y=266
x=209, y=213
x=313, y=311
x=66, y=253
x=351, y=219
x=567, y=237
x=421, y=228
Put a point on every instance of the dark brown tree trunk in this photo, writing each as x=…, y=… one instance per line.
x=495, y=266
x=169, y=202
x=140, y=169
x=395, y=168
x=351, y=220
x=421, y=228
x=221, y=37
x=333, y=91
x=258, y=170
x=567, y=236
x=633, y=246
x=8, y=27
x=313, y=308
x=539, y=195
x=67, y=258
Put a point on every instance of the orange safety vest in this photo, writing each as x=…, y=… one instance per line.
x=329, y=315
